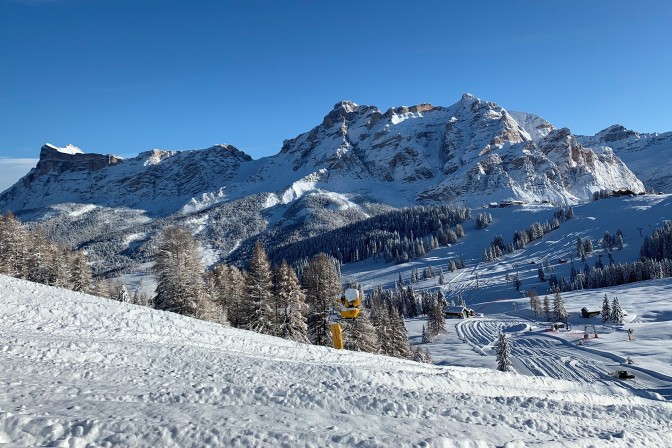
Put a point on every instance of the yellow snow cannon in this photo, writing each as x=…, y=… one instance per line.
x=350, y=301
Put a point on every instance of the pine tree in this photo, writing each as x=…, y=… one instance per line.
x=503, y=353
x=399, y=345
x=292, y=307
x=426, y=337
x=559, y=311
x=321, y=282
x=436, y=321
x=180, y=286
x=617, y=315
x=421, y=355
x=258, y=293
x=606, y=309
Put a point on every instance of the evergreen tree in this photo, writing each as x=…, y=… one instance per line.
x=321, y=282
x=559, y=311
x=292, y=307
x=547, y=308
x=258, y=293
x=503, y=353
x=436, y=321
x=426, y=337
x=420, y=355
x=399, y=346
x=516, y=281
x=617, y=315
x=606, y=309
x=180, y=286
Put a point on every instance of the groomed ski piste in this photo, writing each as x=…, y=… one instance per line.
x=78, y=370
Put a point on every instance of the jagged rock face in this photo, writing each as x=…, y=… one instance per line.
x=469, y=152
x=53, y=160
x=158, y=181
x=647, y=155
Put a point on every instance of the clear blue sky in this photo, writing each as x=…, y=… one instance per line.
x=124, y=76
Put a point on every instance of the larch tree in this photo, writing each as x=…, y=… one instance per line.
x=180, y=288
x=547, y=308
x=360, y=335
x=321, y=281
x=233, y=289
x=80, y=274
x=259, y=292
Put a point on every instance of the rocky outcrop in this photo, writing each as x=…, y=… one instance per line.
x=55, y=160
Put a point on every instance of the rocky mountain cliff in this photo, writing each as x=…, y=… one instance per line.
x=647, y=155
x=356, y=163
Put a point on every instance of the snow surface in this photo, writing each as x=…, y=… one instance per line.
x=79, y=370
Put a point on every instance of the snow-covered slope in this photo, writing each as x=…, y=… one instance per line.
x=78, y=370
x=647, y=155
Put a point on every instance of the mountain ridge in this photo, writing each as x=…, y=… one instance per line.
x=357, y=162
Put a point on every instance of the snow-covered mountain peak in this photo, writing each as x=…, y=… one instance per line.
x=616, y=132
x=68, y=149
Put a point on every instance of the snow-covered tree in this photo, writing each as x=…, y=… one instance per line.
x=180, y=288
x=122, y=294
x=617, y=314
x=436, y=320
x=421, y=355
x=321, y=281
x=426, y=336
x=361, y=335
x=503, y=353
x=259, y=291
x=547, y=308
x=559, y=311
x=291, y=307
x=606, y=309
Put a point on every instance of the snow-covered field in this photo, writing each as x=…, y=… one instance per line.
x=77, y=370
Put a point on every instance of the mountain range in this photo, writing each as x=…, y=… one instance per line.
x=357, y=163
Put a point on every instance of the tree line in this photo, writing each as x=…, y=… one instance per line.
x=395, y=236
x=275, y=300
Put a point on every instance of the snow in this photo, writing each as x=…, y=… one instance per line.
x=68, y=149
x=84, y=371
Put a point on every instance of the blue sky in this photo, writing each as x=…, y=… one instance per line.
x=124, y=76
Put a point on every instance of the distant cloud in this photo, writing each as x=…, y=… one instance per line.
x=12, y=170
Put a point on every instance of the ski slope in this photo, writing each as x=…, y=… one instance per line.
x=77, y=370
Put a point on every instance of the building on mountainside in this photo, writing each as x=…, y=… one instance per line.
x=459, y=312
x=587, y=314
